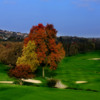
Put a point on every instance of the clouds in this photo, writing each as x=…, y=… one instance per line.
x=85, y=3
x=90, y=0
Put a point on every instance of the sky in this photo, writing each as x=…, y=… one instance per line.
x=70, y=17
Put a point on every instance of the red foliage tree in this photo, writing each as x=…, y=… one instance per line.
x=48, y=51
x=21, y=71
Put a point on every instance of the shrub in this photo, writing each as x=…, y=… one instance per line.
x=51, y=82
x=17, y=82
x=21, y=71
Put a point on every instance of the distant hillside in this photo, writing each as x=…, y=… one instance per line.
x=12, y=36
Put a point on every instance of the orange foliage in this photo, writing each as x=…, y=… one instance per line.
x=21, y=71
x=48, y=51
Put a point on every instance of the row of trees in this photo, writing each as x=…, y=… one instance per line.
x=10, y=51
x=74, y=45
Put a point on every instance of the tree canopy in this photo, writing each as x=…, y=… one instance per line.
x=49, y=52
x=29, y=57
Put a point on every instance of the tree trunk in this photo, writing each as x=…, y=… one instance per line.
x=21, y=83
x=43, y=73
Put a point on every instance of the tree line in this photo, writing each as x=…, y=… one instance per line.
x=75, y=45
x=10, y=51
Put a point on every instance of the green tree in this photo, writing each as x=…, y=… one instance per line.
x=29, y=57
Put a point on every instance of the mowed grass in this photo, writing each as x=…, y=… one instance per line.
x=70, y=69
x=4, y=73
x=80, y=68
x=11, y=92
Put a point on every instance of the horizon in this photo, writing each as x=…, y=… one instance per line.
x=70, y=18
x=57, y=34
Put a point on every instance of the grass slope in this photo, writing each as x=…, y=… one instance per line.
x=79, y=68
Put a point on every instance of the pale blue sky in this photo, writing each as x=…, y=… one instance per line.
x=69, y=17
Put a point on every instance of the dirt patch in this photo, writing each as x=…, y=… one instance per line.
x=60, y=85
x=9, y=82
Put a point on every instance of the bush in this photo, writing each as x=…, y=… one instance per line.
x=17, y=82
x=51, y=82
x=21, y=71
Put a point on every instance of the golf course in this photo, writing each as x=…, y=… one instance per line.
x=80, y=73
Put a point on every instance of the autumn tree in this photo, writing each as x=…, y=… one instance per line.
x=10, y=51
x=29, y=57
x=49, y=52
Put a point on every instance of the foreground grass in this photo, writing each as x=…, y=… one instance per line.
x=15, y=92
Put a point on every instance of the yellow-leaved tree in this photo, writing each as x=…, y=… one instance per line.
x=29, y=56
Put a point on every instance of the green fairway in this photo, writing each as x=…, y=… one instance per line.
x=71, y=69
x=79, y=68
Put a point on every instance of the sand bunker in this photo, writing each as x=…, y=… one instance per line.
x=31, y=81
x=9, y=82
x=24, y=80
x=60, y=85
x=94, y=59
x=80, y=82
